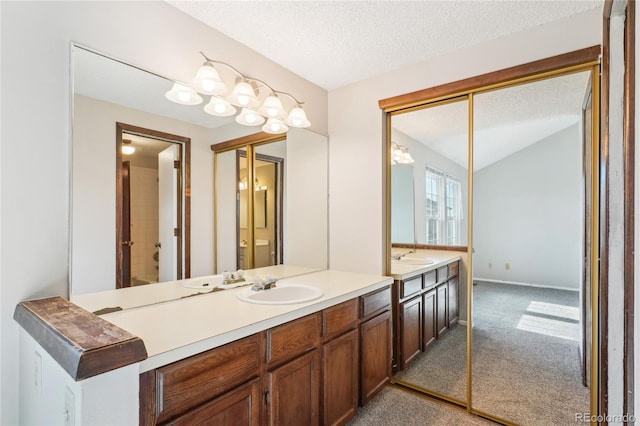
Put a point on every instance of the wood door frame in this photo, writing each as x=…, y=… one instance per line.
x=580, y=60
x=186, y=192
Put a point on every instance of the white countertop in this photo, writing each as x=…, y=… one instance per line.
x=177, y=329
x=402, y=271
x=132, y=297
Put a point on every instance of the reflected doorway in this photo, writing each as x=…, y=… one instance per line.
x=152, y=209
x=267, y=208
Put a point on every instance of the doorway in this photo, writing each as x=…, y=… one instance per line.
x=152, y=206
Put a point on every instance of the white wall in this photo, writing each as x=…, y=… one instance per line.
x=527, y=212
x=94, y=187
x=35, y=133
x=425, y=156
x=355, y=125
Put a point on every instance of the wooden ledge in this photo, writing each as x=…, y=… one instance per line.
x=84, y=344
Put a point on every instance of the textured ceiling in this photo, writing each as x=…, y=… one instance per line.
x=505, y=121
x=335, y=43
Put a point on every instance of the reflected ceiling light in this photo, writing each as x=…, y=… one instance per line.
x=400, y=154
x=255, y=96
x=184, y=95
x=207, y=81
x=219, y=107
x=128, y=149
x=274, y=126
x=249, y=117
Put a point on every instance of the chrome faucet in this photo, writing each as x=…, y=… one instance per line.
x=261, y=284
x=400, y=256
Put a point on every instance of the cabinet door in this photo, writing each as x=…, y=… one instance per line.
x=340, y=386
x=375, y=355
x=429, y=318
x=442, y=307
x=240, y=407
x=453, y=301
x=410, y=330
x=294, y=391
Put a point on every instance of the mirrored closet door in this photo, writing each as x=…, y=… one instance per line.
x=506, y=181
x=429, y=202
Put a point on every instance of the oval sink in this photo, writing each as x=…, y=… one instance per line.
x=413, y=261
x=281, y=294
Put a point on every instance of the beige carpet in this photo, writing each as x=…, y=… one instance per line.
x=526, y=363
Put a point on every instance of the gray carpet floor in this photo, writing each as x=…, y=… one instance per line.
x=526, y=364
x=393, y=406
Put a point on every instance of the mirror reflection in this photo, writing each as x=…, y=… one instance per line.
x=106, y=92
x=429, y=203
x=528, y=225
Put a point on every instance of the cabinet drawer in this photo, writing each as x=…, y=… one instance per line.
x=240, y=406
x=293, y=338
x=430, y=279
x=192, y=381
x=442, y=274
x=375, y=302
x=339, y=318
x=410, y=287
x=453, y=270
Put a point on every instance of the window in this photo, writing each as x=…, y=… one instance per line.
x=443, y=196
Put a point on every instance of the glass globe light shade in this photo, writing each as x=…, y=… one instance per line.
x=297, y=118
x=219, y=107
x=183, y=95
x=249, y=117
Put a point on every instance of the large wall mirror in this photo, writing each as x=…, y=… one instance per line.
x=118, y=107
x=515, y=161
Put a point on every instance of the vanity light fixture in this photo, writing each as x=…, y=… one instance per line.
x=400, y=154
x=258, y=102
x=242, y=185
x=183, y=94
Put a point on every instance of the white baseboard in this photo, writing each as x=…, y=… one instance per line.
x=462, y=322
x=525, y=284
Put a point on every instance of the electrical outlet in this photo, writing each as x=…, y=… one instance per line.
x=507, y=266
x=69, y=407
x=37, y=372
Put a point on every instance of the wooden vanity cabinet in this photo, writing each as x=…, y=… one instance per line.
x=442, y=322
x=240, y=406
x=293, y=372
x=410, y=318
x=170, y=393
x=340, y=361
x=429, y=315
x=293, y=392
x=311, y=371
x=453, y=302
x=424, y=313
x=375, y=343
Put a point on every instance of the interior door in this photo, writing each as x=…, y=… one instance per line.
x=168, y=227
x=588, y=237
x=126, y=224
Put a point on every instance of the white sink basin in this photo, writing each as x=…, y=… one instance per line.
x=413, y=261
x=281, y=294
